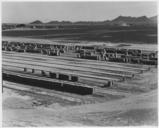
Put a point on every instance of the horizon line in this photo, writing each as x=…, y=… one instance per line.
x=76, y=21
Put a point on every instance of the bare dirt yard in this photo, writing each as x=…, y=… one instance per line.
x=23, y=109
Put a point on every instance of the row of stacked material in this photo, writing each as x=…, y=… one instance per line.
x=135, y=56
x=94, y=73
x=46, y=49
x=45, y=83
x=118, y=55
x=45, y=79
x=53, y=75
x=83, y=72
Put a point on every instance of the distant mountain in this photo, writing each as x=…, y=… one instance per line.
x=131, y=20
x=119, y=21
x=36, y=22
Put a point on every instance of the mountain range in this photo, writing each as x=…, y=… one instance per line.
x=120, y=20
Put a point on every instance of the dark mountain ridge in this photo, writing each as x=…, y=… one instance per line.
x=120, y=20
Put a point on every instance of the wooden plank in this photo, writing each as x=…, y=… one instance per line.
x=46, y=83
x=98, y=82
x=108, y=68
x=86, y=61
x=44, y=78
x=74, y=68
x=60, y=71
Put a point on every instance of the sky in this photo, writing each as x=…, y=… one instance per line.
x=26, y=12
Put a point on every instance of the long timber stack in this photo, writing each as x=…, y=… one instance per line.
x=46, y=65
x=134, y=56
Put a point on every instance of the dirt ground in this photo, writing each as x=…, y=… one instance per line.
x=28, y=110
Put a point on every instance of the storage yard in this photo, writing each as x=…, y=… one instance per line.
x=74, y=63
x=82, y=80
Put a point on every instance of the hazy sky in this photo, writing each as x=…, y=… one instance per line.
x=25, y=12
